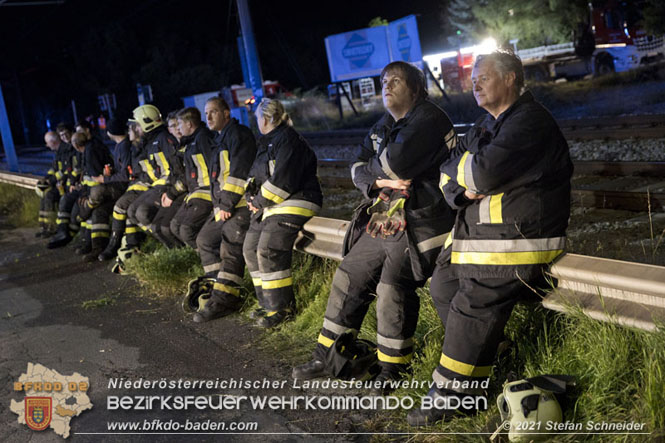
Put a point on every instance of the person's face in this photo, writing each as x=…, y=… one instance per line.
x=397, y=97
x=65, y=135
x=492, y=93
x=52, y=143
x=185, y=127
x=174, y=128
x=216, y=118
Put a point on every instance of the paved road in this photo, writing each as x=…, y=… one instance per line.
x=42, y=320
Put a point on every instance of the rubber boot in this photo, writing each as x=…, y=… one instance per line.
x=112, y=248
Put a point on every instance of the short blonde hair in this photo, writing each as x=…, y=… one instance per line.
x=274, y=111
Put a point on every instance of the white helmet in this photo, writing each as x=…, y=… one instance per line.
x=148, y=117
x=526, y=407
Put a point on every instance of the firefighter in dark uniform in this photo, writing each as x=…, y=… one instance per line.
x=197, y=205
x=71, y=159
x=93, y=210
x=509, y=179
x=120, y=184
x=220, y=240
x=395, y=237
x=47, y=187
x=160, y=147
x=286, y=196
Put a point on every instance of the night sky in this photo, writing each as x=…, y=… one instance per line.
x=50, y=55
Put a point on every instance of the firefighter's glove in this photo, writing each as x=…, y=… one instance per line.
x=387, y=217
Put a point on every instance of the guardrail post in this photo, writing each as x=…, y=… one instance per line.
x=7, y=140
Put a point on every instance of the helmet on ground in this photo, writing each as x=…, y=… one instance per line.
x=148, y=117
x=526, y=406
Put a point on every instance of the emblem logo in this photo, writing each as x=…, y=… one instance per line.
x=38, y=412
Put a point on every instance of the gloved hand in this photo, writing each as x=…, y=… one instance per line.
x=387, y=214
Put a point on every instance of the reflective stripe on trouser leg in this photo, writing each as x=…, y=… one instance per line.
x=249, y=249
x=274, y=254
x=120, y=219
x=352, y=291
x=207, y=244
x=397, y=315
x=229, y=277
x=65, y=206
x=477, y=316
x=100, y=230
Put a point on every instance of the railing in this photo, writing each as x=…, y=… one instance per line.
x=630, y=294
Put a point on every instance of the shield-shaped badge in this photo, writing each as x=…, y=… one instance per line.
x=38, y=412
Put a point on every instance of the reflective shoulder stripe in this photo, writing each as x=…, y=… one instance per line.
x=383, y=159
x=433, y=242
x=163, y=164
x=449, y=241
x=443, y=180
x=464, y=368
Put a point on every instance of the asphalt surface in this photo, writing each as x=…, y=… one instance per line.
x=43, y=320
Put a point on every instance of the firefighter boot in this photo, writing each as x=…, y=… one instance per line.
x=112, y=248
x=60, y=239
x=217, y=307
x=307, y=371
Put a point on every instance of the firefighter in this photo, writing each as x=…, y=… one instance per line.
x=70, y=167
x=286, y=196
x=509, y=179
x=197, y=205
x=160, y=147
x=94, y=209
x=47, y=187
x=220, y=240
x=395, y=236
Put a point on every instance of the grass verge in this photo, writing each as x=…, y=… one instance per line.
x=19, y=206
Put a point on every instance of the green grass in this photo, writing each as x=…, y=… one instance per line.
x=19, y=206
x=620, y=372
x=162, y=271
x=98, y=303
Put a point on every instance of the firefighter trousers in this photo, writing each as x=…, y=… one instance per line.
x=160, y=228
x=189, y=219
x=48, y=206
x=474, y=312
x=122, y=224
x=67, y=212
x=382, y=267
x=220, y=248
x=143, y=210
x=268, y=250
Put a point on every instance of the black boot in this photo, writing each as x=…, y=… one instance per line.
x=60, y=239
x=112, y=248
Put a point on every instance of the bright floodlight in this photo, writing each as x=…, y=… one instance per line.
x=486, y=46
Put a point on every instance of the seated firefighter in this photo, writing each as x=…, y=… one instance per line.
x=48, y=188
x=395, y=236
x=220, y=240
x=286, y=194
x=509, y=179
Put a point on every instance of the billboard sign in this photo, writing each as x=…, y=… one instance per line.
x=364, y=52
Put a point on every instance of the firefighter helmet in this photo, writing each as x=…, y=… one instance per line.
x=526, y=409
x=148, y=117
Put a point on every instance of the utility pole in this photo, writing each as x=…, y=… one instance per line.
x=251, y=55
x=6, y=132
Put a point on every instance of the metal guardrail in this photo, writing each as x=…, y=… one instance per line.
x=630, y=294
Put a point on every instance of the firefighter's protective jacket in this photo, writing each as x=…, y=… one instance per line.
x=230, y=166
x=196, y=159
x=161, y=149
x=412, y=148
x=520, y=161
x=122, y=156
x=95, y=156
x=288, y=182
